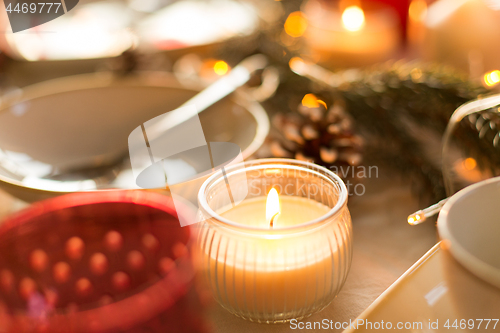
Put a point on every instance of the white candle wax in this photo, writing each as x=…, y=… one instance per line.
x=279, y=272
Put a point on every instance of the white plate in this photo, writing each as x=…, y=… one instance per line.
x=435, y=290
x=71, y=134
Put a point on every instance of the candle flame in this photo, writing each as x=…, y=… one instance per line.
x=353, y=18
x=272, y=205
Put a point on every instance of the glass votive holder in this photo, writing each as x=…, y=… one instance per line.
x=290, y=270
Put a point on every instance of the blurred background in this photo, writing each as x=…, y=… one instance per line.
x=337, y=34
x=349, y=84
x=370, y=57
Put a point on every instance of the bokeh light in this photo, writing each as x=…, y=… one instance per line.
x=353, y=18
x=295, y=24
x=418, y=10
x=492, y=78
x=221, y=67
x=310, y=101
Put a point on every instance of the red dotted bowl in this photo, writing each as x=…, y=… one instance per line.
x=114, y=261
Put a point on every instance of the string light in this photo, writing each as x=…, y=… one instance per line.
x=221, y=67
x=422, y=215
x=414, y=219
x=492, y=78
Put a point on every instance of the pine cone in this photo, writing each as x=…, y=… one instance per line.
x=325, y=137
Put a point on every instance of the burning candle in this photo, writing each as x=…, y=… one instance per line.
x=284, y=251
x=351, y=33
x=461, y=33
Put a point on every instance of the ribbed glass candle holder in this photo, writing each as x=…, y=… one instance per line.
x=290, y=270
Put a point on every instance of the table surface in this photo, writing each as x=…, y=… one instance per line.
x=436, y=294
x=384, y=247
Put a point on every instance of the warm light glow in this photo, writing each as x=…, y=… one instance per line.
x=416, y=74
x=417, y=10
x=221, y=67
x=495, y=76
x=470, y=163
x=322, y=103
x=188, y=23
x=492, y=78
x=295, y=24
x=88, y=33
x=445, y=244
x=211, y=67
x=272, y=205
x=272, y=172
x=310, y=101
x=415, y=219
x=297, y=65
x=353, y=18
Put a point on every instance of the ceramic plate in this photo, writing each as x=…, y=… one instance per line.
x=434, y=293
x=71, y=134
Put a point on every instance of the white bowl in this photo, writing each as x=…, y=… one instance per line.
x=469, y=225
x=71, y=134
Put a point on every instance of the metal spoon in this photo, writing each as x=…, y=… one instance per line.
x=236, y=78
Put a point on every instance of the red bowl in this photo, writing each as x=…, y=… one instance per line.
x=114, y=261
